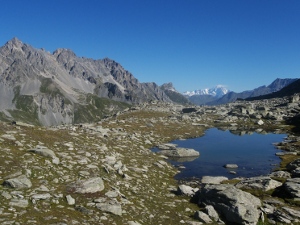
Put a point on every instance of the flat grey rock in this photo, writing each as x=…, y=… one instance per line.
x=21, y=203
x=19, y=182
x=231, y=166
x=114, y=208
x=263, y=183
x=91, y=185
x=213, y=179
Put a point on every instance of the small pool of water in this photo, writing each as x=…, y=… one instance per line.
x=254, y=154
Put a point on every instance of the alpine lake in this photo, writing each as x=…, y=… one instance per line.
x=253, y=152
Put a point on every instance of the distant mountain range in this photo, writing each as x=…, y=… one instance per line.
x=204, y=96
x=230, y=96
x=217, y=91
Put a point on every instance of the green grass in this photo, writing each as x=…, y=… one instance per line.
x=95, y=108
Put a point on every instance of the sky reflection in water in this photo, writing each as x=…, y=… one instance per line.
x=254, y=154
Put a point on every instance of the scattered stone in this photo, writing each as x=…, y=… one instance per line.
x=211, y=212
x=44, y=151
x=281, y=174
x=41, y=196
x=91, y=185
x=70, y=200
x=111, y=207
x=18, y=182
x=202, y=217
x=180, y=152
x=22, y=203
x=84, y=210
x=260, y=122
x=112, y=194
x=133, y=223
x=231, y=166
x=6, y=195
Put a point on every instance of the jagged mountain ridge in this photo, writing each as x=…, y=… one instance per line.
x=53, y=86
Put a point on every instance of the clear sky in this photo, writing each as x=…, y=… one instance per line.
x=194, y=44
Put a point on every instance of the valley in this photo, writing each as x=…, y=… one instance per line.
x=105, y=173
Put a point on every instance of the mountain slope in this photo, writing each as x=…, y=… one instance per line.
x=49, y=89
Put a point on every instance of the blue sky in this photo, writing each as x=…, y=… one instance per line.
x=194, y=44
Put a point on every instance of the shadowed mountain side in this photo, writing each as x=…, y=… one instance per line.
x=174, y=95
x=289, y=90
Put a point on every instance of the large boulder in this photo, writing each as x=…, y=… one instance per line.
x=91, y=185
x=292, y=187
x=233, y=204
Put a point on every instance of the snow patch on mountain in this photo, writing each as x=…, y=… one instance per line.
x=217, y=91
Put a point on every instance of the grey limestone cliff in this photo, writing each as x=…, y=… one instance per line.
x=53, y=88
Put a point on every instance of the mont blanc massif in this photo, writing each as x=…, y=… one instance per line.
x=77, y=134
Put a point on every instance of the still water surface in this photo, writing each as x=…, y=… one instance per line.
x=254, y=154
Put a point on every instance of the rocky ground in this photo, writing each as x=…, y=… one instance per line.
x=105, y=173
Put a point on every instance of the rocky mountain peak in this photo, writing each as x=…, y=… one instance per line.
x=13, y=45
x=168, y=86
x=64, y=52
x=14, y=42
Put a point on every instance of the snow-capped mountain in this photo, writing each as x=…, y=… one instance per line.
x=217, y=91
